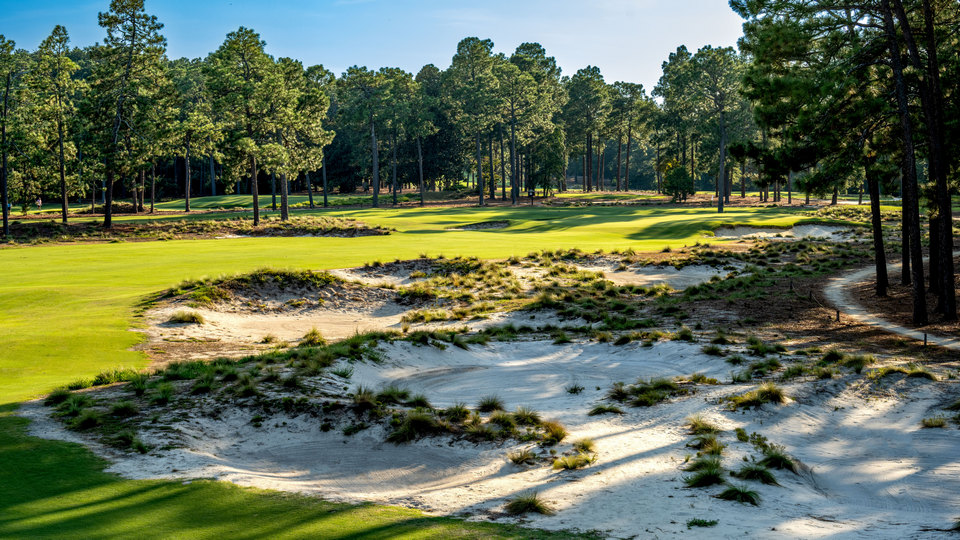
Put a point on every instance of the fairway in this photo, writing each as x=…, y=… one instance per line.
x=78, y=301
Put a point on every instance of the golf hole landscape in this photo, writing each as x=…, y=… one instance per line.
x=243, y=296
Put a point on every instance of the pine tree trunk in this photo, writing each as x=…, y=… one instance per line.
x=63, y=170
x=153, y=186
x=393, y=165
x=143, y=190
x=879, y=255
x=503, y=168
x=108, y=196
x=493, y=177
x=721, y=178
x=911, y=208
x=589, y=162
x=323, y=172
x=273, y=191
x=479, y=168
x=186, y=181
x=619, y=163
x=376, y=164
x=514, y=164
x=420, y=168
x=743, y=179
x=306, y=177
x=4, y=194
x=213, y=176
x=284, y=198
x=626, y=172
x=254, y=190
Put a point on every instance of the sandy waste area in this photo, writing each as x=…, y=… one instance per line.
x=867, y=468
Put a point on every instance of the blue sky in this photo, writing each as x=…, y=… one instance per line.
x=627, y=39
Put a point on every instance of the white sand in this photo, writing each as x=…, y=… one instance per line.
x=827, y=232
x=872, y=472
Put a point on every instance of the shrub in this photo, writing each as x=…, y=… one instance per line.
x=522, y=457
x=775, y=457
x=740, y=494
x=527, y=417
x=490, y=404
x=569, y=463
x=758, y=473
x=934, y=422
x=575, y=388
x=741, y=434
x=604, y=409
x=554, y=432
x=699, y=522
x=765, y=393
x=523, y=504
x=585, y=445
x=186, y=317
x=313, y=338
x=419, y=400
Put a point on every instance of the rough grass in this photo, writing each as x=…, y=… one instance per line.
x=766, y=393
x=527, y=417
x=775, y=457
x=699, y=426
x=604, y=409
x=704, y=477
x=313, y=338
x=758, y=473
x=585, y=445
x=934, y=422
x=186, y=317
x=524, y=456
x=490, y=404
x=741, y=494
x=554, y=432
x=576, y=461
x=529, y=503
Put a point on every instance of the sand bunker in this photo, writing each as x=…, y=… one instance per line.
x=869, y=470
x=649, y=276
x=826, y=232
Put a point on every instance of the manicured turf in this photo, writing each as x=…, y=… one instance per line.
x=66, y=310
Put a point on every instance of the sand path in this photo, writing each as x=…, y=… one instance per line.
x=836, y=293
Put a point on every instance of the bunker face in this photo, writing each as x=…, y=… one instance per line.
x=825, y=232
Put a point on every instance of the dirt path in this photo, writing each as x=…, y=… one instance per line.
x=837, y=294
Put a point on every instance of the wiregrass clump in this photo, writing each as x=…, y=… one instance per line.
x=758, y=473
x=186, y=317
x=741, y=494
x=531, y=502
x=765, y=393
